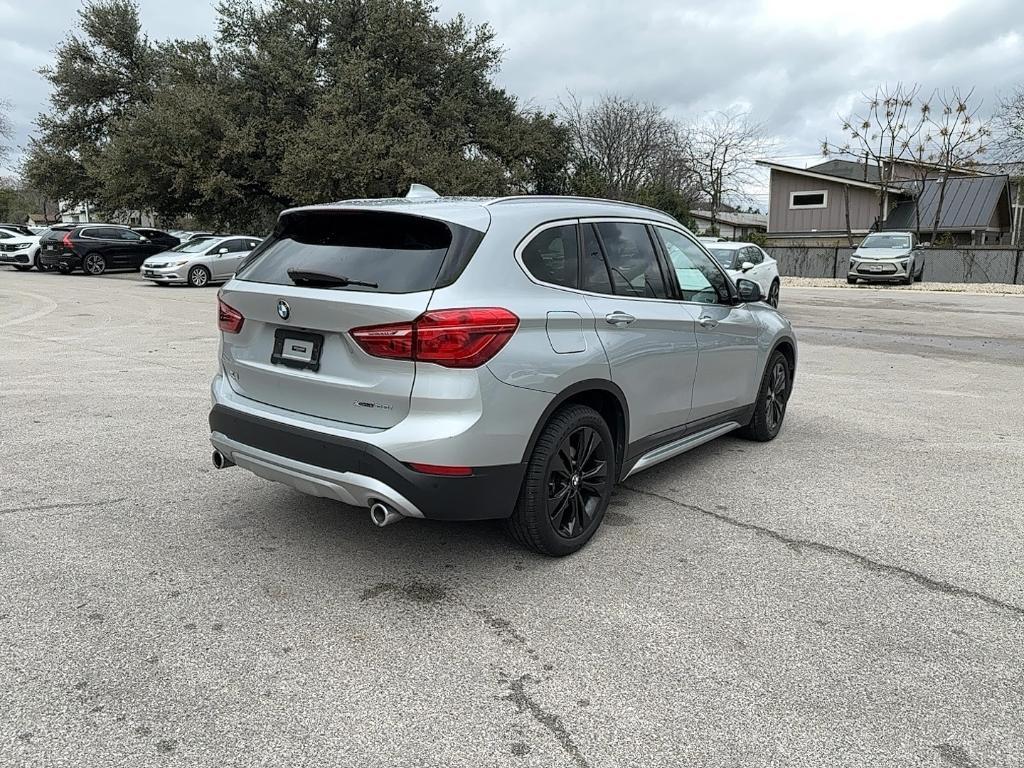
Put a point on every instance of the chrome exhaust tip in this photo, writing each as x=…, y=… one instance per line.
x=220, y=461
x=382, y=515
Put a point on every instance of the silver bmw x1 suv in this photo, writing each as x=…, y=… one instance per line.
x=464, y=359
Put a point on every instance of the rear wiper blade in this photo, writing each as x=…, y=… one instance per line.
x=312, y=277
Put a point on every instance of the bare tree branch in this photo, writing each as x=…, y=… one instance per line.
x=720, y=153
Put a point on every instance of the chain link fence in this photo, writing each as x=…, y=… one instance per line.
x=941, y=265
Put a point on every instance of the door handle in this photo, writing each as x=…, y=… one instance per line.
x=619, y=318
x=708, y=322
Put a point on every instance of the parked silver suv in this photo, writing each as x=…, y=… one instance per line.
x=462, y=359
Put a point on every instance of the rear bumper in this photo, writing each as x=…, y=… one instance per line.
x=357, y=473
x=57, y=258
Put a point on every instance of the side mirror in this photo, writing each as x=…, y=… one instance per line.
x=143, y=239
x=222, y=251
x=747, y=266
x=748, y=290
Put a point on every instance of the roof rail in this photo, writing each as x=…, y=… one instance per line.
x=572, y=198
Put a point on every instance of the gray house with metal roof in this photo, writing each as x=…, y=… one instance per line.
x=825, y=202
x=975, y=209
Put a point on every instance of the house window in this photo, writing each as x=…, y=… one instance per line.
x=815, y=199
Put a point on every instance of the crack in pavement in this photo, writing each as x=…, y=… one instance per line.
x=551, y=722
x=70, y=505
x=927, y=582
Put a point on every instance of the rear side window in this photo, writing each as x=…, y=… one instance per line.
x=632, y=261
x=396, y=252
x=553, y=256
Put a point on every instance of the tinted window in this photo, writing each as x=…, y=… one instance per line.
x=699, y=279
x=127, y=234
x=234, y=246
x=5, y=235
x=632, y=260
x=552, y=256
x=751, y=254
x=397, y=252
x=594, y=274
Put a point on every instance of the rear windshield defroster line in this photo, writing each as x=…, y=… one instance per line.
x=398, y=252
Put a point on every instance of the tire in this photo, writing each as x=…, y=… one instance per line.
x=773, y=294
x=542, y=523
x=23, y=267
x=198, y=277
x=63, y=270
x=94, y=264
x=909, y=280
x=772, y=398
x=40, y=266
x=851, y=280
x=920, y=275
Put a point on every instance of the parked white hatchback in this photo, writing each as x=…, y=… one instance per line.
x=200, y=261
x=751, y=262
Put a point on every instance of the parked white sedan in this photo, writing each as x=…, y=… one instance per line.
x=752, y=262
x=200, y=261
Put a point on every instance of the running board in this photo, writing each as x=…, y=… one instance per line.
x=682, y=445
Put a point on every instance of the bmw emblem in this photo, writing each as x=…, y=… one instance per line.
x=283, y=309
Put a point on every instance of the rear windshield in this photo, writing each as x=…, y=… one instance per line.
x=395, y=252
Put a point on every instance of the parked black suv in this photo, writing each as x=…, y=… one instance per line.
x=95, y=248
x=159, y=237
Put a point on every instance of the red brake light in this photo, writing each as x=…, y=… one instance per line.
x=437, y=469
x=393, y=341
x=229, y=319
x=67, y=240
x=453, y=338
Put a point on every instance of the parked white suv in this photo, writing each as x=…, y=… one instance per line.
x=19, y=250
x=463, y=359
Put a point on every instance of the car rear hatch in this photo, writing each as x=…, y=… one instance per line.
x=294, y=349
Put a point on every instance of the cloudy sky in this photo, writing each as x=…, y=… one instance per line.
x=793, y=64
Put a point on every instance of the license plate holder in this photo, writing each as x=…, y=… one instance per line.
x=874, y=267
x=297, y=349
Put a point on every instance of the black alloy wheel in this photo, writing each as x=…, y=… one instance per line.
x=772, y=400
x=94, y=264
x=775, y=402
x=568, y=483
x=577, y=477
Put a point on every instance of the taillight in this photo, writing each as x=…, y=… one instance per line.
x=453, y=338
x=67, y=240
x=229, y=319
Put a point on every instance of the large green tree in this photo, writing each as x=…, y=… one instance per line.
x=101, y=74
x=292, y=101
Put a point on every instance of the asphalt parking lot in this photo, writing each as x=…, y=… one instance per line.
x=849, y=595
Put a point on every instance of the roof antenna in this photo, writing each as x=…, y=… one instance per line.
x=422, y=192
